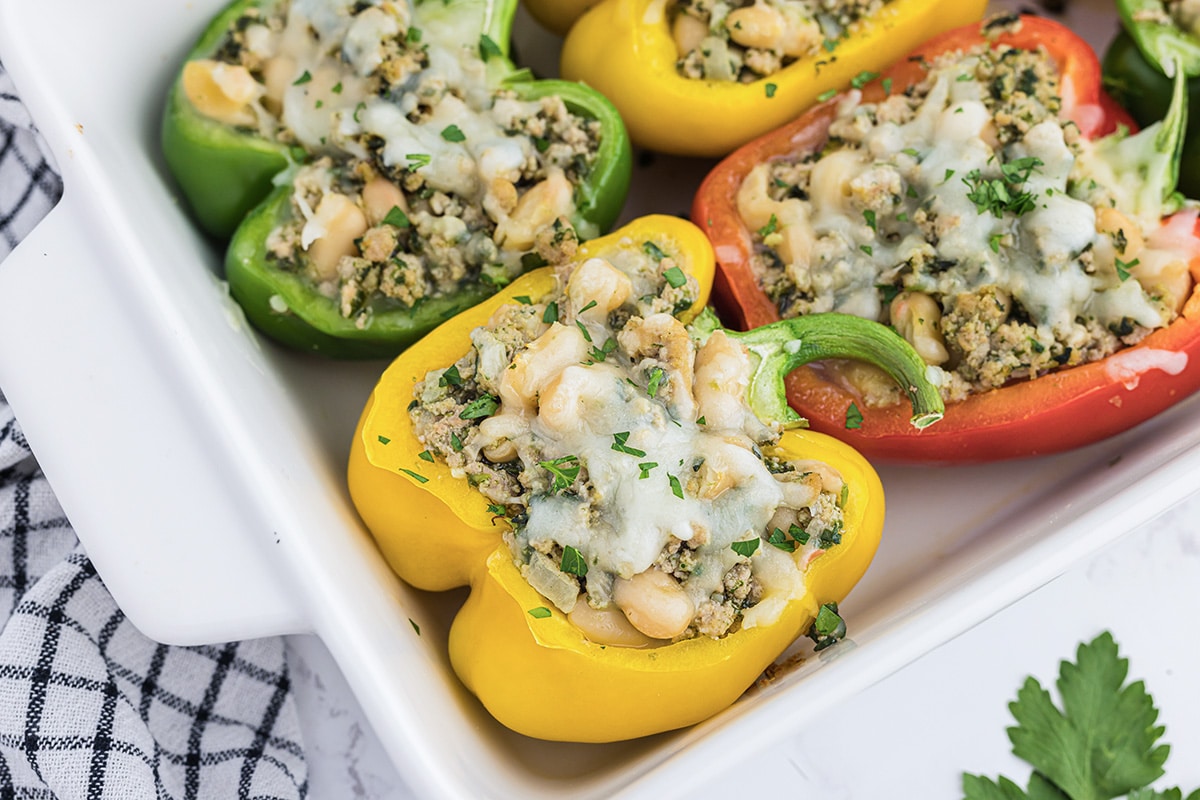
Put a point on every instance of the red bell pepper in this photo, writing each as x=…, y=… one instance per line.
x=1059, y=410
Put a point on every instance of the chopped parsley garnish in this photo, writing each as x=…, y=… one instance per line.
x=590, y=305
x=702, y=421
x=948, y=175
x=488, y=49
x=780, y=539
x=1000, y=195
x=828, y=628
x=1019, y=169
x=541, y=612
x=994, y=242
x=551, y=313
x=770, y=87
x=1123, y=268
x=453, y=133
x=564, y=469
x=830, y=536
x=598, y=354
x=418, y=477
x=887, y=85
x=337, y=88
x=771, y=226
x=532, y=261
x=798, y=533
x=384, y=440
x=827, y=95
x=587, y=336
x=318, y=104
x=653, y=250
x=869, y=218
x=397, y=218
x=573, y=562
x=619, y=444
x=415, y=626
x=911, y=151
x=675, y=277
x=676, y=488
x=645, y=467
x=656, y=376
x=358, y=109
x=745, y=548
x=425, y=455
x=418, y=160
x=304, y=78
x=524, y=299
x=483, y=406
x=414, y=35
x=863, y=78
x=866, y=248
x=456, y=443
x=497, y=510
x=854, y=418
x=450, y=377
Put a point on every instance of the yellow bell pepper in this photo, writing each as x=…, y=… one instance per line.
x=558, y=15
x=625, y=49
x=537, y=673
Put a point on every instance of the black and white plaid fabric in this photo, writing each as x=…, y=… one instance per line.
x=89, y=707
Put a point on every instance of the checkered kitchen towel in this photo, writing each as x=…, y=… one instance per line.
x=90, y=708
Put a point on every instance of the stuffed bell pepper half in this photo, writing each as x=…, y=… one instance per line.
x=384, y=164
x=699, y=78
x=639, y=542
x=988, y=201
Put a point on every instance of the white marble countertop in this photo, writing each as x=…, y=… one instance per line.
x=915, y=733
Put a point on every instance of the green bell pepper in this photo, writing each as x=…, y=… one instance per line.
x=1137, y=67
x=227, y=168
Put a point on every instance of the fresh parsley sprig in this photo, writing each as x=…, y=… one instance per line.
x=1102, y=744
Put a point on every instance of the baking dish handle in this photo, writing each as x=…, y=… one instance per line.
x=157, y=519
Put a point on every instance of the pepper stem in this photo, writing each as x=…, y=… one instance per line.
x=787, y=344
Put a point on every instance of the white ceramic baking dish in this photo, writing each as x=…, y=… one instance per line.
x=203, y=467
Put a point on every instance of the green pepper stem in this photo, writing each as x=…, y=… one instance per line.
x=787, y=344
x=1163, y=43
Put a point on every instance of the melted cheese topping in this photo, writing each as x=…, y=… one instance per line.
x=1037, y=247
x=619, y=443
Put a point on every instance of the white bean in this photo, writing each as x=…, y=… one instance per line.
x=654, y=604
x=338, y=222
x=221, y=91
x=915, y=316
x=596, y=281
x=607, y=626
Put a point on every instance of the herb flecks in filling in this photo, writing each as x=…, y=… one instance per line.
x=614, y=490
x=424, y=177
x=969, y=216
x=746, y=40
